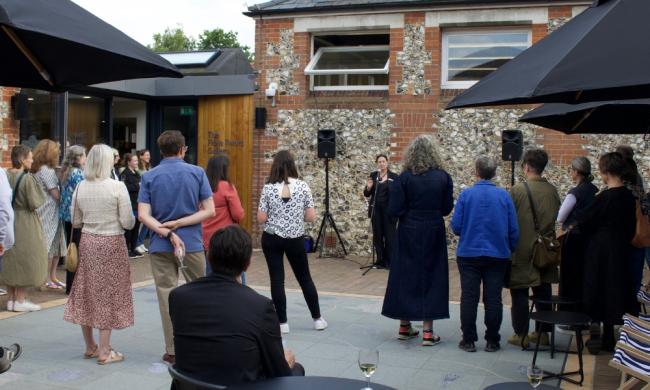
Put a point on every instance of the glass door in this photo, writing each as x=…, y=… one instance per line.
x=182, y=116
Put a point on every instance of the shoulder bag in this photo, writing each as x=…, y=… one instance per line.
x=72, y=258
x=547, y=250
x=642, y=234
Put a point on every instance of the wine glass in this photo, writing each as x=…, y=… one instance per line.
x=368, y=360
x=535, y=376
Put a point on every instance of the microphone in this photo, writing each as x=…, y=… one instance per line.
x=378, y=175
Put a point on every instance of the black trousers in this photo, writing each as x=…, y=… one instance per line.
x=131, y=236
x=521, y=307
x=76, y=236
x=491, y=272
x=274, y=248
x=383, y=235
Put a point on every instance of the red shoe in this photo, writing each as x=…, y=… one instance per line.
x=429, y=338
x=407, y=332
x=169, y=359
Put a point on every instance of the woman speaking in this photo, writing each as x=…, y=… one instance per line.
x=383, y=226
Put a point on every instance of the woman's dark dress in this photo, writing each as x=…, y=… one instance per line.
x=418, y=282
x=608, y=226
x=573, y=246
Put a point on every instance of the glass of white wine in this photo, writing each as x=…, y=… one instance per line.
x=535, y=376
x=368, y=360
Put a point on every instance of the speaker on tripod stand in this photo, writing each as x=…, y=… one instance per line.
x=512, y=148
x=326, y=143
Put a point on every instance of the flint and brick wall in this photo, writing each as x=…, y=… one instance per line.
x=8, y=126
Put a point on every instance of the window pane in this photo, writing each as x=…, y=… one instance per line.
x=329, y=80
x=487, y=38
x=375, y=59
x=483, y=52
x=37, y=124
x=368, y=79
x=85, y=120
x=472, y=56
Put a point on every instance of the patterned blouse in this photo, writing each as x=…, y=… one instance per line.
x=76, y=176
x=286, y=219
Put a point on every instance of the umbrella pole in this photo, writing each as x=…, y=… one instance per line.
x=27, y=53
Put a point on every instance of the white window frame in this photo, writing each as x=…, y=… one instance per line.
x=446, y=84
x=309, y=69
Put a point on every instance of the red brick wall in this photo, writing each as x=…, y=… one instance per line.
x=9, y=127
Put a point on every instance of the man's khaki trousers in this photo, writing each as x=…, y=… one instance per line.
x=164, y=267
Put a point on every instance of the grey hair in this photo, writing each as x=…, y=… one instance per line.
x=99, y=163
x=582, y=165
x=486, y=167
x=71, y=160
x=422, y=155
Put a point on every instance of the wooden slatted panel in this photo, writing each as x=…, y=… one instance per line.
x=226, y=126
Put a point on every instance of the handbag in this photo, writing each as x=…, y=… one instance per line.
x=642, y=234
x=547, y=249
x=72, y=258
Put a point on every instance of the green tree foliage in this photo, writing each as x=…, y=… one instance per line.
x=173, y=39
x=217, y=38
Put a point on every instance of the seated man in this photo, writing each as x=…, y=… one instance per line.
x=226, y=333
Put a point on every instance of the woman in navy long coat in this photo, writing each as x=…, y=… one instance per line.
x=418, y=282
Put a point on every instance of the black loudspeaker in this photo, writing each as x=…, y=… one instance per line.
x=326, y=143
x=260, y=117
x=512, y=145
x=19, y=104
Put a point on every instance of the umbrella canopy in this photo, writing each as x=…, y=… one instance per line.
x=598, y=55
x=612, y=117
x=57, y=45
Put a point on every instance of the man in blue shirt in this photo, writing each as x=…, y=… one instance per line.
x=175, y=197
x=486, y=221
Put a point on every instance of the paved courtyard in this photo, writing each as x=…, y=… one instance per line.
x=52, y=350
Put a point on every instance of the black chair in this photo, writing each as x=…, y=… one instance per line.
x=577, y=321
x=183, y=382
x=555, y=303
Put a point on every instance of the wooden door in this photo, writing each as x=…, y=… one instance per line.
x=226, y=127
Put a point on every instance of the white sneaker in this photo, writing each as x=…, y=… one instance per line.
x=320, y=324
x=284, y=328
x=10, y=305
x=3, y=291
x=142, y=249
x=25, y=306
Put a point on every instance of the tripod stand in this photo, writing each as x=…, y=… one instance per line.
x=373, y=264
x=327, y=216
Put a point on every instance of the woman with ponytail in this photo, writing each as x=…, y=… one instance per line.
x=576, y=201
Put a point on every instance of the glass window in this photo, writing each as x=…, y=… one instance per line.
x=34, y=109
x=184, y=119
x=129, y=124
x=349, y=68
x=86, y=120
x=468, y=56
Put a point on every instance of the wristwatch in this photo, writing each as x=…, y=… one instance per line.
x=169, y=235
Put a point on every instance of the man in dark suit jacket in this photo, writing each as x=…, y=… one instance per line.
x=224, y=332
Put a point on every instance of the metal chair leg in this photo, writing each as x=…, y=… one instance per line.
x=579, y=346
x=539, y=337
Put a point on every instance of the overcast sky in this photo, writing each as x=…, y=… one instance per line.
x=140, y=19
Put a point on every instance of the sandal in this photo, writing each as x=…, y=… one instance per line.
x=59, y=283
x=113, y=357
x=52, y=285
x=94, y=354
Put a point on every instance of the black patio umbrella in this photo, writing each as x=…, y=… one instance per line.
x=599, y=55
x=57, y=45
x=611, y=117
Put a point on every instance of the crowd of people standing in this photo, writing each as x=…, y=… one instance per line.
x=601, y=270
x=109, y=210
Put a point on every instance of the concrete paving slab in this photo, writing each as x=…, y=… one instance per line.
x=53, y=349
